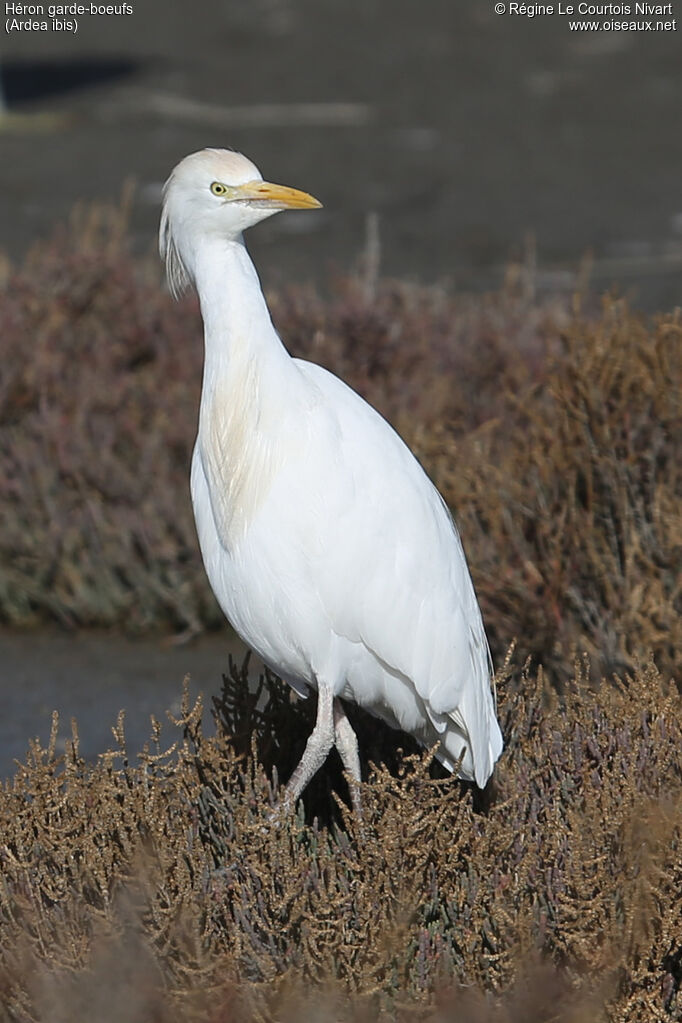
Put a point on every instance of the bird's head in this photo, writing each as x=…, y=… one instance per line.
x=215, y=193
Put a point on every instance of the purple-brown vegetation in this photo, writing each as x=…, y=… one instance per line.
x=162, y=885
x=156, y=890
x=555, y=438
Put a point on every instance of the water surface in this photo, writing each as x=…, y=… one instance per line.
x=92, y=676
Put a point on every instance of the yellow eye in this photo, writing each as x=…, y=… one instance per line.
x=218, y=188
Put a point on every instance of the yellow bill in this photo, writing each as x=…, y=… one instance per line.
x=282, y=196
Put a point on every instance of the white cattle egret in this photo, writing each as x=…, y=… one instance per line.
x=328, y=548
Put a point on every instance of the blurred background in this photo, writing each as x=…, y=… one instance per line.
x=467, y=133
x=468, y=140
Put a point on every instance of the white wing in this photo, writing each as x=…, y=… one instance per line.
x=390, y=569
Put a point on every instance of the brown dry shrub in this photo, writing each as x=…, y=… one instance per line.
x=164, y=888
x=98, y=389
x=573, y=510
x=555, y=438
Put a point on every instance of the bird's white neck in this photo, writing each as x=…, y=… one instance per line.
x=236, y=318
x=248, y=381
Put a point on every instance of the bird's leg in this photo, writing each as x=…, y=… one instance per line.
x=317, y=748
x=347, y=745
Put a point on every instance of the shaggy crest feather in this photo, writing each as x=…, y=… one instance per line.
x=177, y=275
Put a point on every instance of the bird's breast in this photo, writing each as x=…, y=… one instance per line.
x=241, y=451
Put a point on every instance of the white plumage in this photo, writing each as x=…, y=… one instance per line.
x=327, y=546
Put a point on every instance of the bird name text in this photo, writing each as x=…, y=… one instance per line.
x=35, y=11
